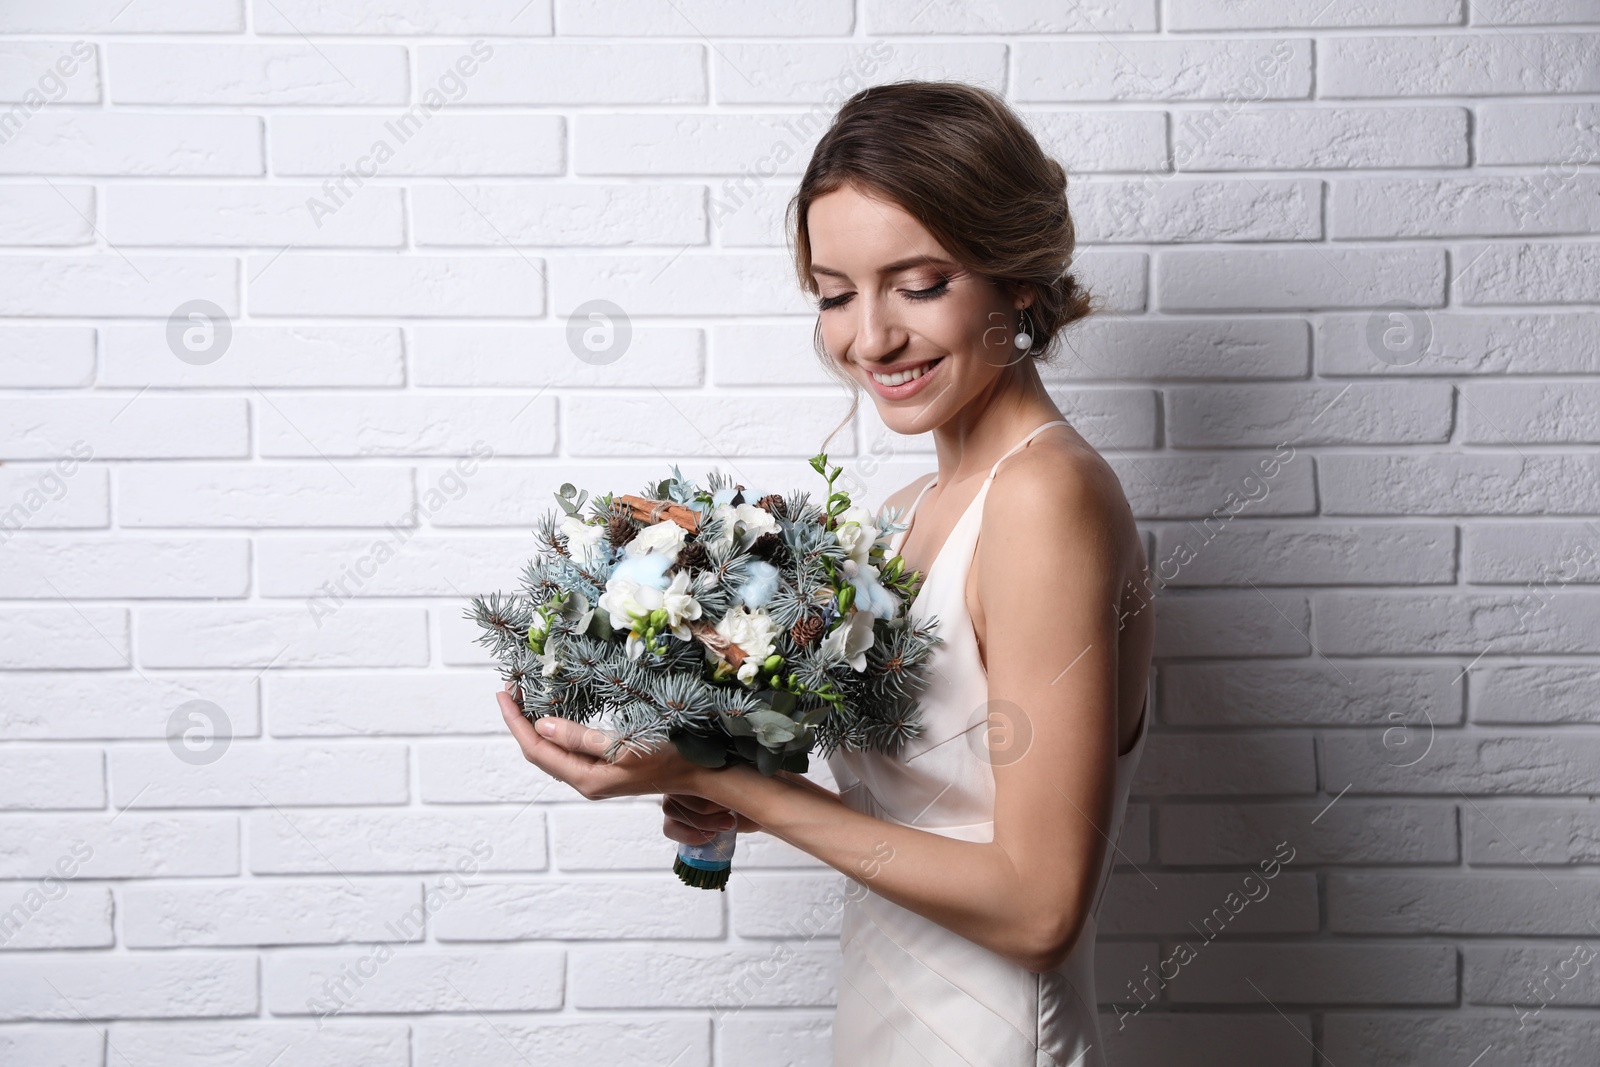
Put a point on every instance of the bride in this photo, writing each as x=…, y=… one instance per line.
x=934, y=234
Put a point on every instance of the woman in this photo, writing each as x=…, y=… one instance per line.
x=935, y=235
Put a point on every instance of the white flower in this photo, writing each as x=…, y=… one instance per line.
x=679, y=604
x=753, y=631
x=624, y=598
x=635, y=585
x=851, y=640
x=665, y=537
x=583, y=540
x=752, y=520
x=857, y=532
x=548, y=657
x=748, y=670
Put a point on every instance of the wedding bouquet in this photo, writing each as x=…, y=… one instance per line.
x=741, y=631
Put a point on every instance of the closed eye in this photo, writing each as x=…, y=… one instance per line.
x=932, y=292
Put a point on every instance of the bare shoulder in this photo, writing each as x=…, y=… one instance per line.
x=1060, y=484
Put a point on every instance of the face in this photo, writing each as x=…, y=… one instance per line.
x=923, y=335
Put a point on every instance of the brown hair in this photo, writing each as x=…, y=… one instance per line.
x=962, y=163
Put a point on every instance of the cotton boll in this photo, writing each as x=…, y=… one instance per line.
x=649, y=570
x=871, y=596
x=761, y=586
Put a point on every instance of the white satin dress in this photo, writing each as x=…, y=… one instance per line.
x=911, y=992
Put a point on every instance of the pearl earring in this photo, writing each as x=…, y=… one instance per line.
x=1024, y=337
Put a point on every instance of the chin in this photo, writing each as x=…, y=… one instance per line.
x=908, y=420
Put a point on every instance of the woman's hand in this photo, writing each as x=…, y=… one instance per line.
x=574, y=753
x=694, y=820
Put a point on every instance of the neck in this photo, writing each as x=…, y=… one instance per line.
x=972, y=441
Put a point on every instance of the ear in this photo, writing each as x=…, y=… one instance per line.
x=1021, y=296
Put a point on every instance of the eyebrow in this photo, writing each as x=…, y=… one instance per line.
x=897, y=265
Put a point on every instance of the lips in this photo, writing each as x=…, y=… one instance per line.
x=909, y=387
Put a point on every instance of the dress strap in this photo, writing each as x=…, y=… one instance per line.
x=900, y=536
x=1018, y=446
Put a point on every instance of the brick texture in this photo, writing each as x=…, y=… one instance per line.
x=287, y=293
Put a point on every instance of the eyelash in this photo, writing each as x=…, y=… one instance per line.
x=932, y=292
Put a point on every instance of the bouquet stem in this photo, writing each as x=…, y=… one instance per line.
x=708, y=865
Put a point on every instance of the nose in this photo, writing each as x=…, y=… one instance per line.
x=879, y=334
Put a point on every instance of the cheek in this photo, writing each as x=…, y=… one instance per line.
x=838, y=331
x=965, y=328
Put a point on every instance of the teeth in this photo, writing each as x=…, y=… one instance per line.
x=901, y=377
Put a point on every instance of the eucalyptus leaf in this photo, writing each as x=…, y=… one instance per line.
x=768, y=762
x=700, y=749
x=816, y=715
x=737, y=725
x=772, y=728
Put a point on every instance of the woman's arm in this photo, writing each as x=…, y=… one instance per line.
x=694, y=820
x=1051, y=564
x=1049, y=578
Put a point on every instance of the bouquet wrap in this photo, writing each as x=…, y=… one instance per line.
x=708, y=865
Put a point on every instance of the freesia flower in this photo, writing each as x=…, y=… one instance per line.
x=679, y=605
x=583, y=539
x=638, y=587
x=754, y=632
x=751, y=520
x=634, y=588
x=856, y=531
x=851, y=640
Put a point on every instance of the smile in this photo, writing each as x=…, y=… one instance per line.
x=910, y=374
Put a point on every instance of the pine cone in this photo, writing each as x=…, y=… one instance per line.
x=693, y=557
x=620, y=529
x=770, y=547
x=773, y=503
x=806, y=631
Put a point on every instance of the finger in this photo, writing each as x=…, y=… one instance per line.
x=573, y=736
x=685, y=834
x=690, y=802
x=548, y=756
x=711, y=821
x=521, y=728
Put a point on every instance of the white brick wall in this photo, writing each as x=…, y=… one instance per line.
x=256, y=801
